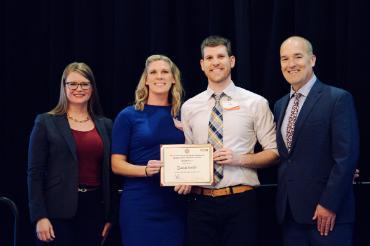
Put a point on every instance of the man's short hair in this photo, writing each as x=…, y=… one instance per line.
x=308, y=44
x=213, y=41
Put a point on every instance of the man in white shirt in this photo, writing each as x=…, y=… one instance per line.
x=226, y=212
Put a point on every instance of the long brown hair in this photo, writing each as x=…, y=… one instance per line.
x=93, y=107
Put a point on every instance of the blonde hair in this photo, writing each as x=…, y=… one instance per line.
x=176, y=91
x=93, y=107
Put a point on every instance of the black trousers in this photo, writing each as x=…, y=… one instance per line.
x=308, y=235
x=225, y=220
x=85, y=227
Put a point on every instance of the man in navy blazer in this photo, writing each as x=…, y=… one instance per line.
x=318, y=143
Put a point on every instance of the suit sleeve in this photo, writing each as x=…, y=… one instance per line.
x=108, y=125
x=345, y=152
x=37, y=166
x=113, y=181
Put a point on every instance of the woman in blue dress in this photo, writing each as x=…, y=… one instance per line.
x=150, y=214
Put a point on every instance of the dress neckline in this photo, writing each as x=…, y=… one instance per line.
x=157, y=106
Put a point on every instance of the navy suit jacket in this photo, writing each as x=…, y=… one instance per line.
x=53, y=168
x=325, y=149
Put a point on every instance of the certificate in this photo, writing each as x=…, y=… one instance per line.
x=188, y=164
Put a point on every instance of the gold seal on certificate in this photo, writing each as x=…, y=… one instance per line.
x=188, y=164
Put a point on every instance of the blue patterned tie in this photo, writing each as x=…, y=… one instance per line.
x=215, y=133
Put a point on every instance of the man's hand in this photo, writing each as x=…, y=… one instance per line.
x=44, y=230
x=225, y=156
x=325, y=220
x=356, y=175
x=182, y=189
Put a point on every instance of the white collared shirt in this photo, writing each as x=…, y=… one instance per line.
x=304, y=91
x=246, y=120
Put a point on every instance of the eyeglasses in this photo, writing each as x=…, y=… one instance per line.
x=75, y=85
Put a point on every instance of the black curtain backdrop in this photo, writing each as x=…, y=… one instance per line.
x=39, y=38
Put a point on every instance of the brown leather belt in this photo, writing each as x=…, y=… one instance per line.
x=222, y=191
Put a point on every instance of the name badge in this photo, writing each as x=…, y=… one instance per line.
x=230, y=105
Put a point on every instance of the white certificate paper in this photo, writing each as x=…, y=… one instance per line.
x=188, y=164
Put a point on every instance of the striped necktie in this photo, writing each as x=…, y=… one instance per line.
x=215, y=133
x=292, y=120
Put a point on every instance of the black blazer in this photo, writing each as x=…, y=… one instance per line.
x=325, y=149
x=53, y=168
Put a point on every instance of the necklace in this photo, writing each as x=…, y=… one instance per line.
x=77, y=120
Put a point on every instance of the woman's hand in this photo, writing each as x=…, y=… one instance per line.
x=153, y=167
x=182, y=189
x=106, y=229
x=44, y=230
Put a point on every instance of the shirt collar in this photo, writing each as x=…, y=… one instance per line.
x=229, y=91
x=306, y=88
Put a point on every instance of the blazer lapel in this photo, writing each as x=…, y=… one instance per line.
x=307, y=107
x=100, y=127
x=62, y=124
x=279, y=138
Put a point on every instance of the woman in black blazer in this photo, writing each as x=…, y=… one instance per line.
x=69, y=184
